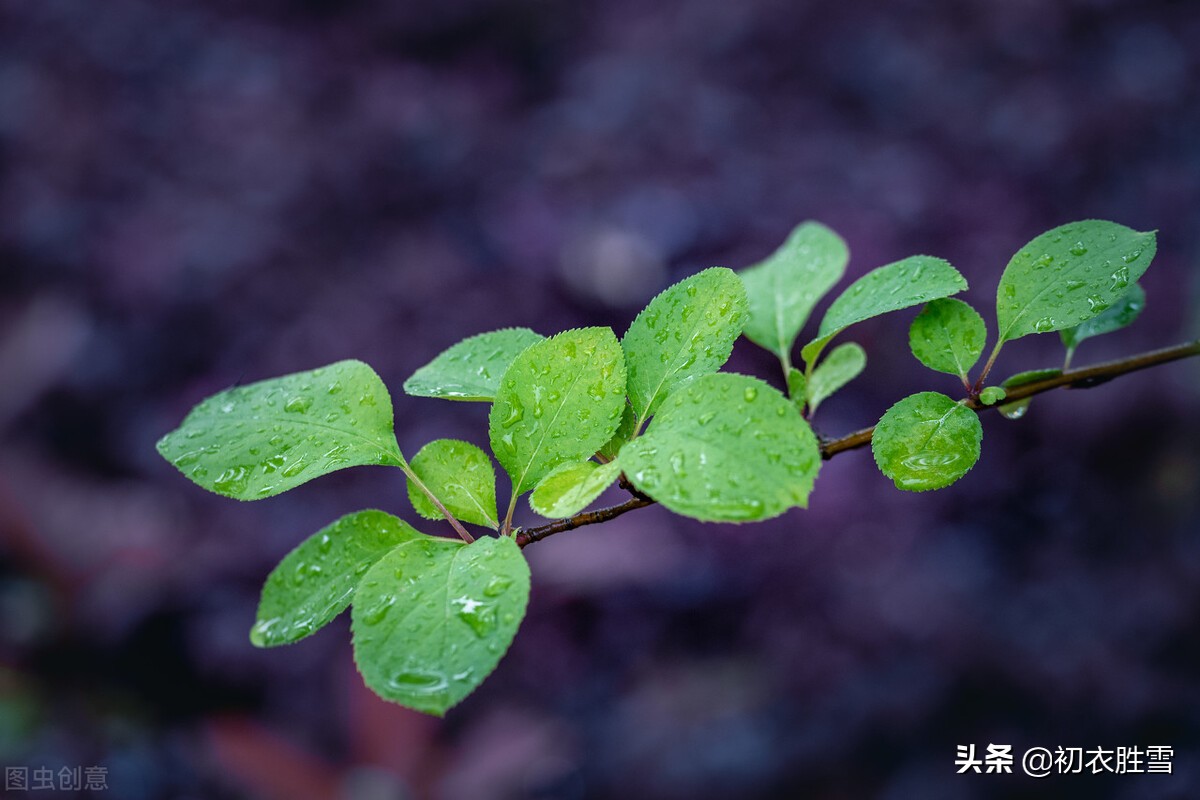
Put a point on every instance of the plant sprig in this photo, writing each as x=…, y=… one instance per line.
x=574, y=413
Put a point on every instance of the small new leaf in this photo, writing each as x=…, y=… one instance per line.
x=725, y=447
x=797, y=387
x=314, y=582
x=926, y=441
x=783, y=289
x=625, y=432
x=560, y=401
x=434, y=616
x=572, y=487
x=948, y=336
x=259, y=440
x=843, y=364
x=471, y=369
x=1069, y=275
x=1120, y=315
x=687, y=330
x=910, y=282
x=992, y=395
x=461, y=476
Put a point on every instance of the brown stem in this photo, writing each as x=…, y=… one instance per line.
x=1084, y=378
x=531, y=535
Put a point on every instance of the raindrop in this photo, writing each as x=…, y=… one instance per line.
x=375, y=614
x=418, y=682
x=497, y=586
x=298, y=404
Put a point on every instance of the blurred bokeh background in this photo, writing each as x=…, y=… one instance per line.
x=194, y=194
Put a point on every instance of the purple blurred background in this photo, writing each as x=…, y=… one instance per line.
x=197, y=194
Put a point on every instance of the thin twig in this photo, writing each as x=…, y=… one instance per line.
x=1084, y=378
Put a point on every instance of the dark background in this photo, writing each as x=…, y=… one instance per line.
x=196, y=194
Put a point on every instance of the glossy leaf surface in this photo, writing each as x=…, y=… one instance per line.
x=926, y=441
x=843, y=364
x=471, y=369
x=910, y=282
x=783, y=289
x=1120, y=315
x=572, y=488
x=1069, y=275
x=725, y=447
x=314, y=582
x=687, y=330
x=461, y=476
x=259, y=440
x=560, y=401
x=948, y=336
x=434, y=616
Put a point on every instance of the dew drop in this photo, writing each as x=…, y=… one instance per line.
x=479, y=616
x=375, y=614
x=497, y=586
x=418, y=682
x=298, y=404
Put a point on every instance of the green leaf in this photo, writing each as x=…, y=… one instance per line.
x=725, y=447
x=797, y=387
x=948, y=336
x=1069, y=275
x=314, y=582
x=434, y=616
x=783, y=289
x=1017, y=408
x=462, y=478
x=910, y=282
x=625, y=432
x=259, y=440
x=1120, y=315
x=843, y=364
x=572, y=487
x=471, y=369
x=926, y=441
x=992, y=395
x=560, y=401
x=687, y=330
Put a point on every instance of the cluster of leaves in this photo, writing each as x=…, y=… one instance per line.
x=572, y=413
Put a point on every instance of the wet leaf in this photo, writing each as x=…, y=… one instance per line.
x=572, y=487
x=783, y=289
x=314, y=582
x=725, y=447
x=843, y=364
x=471, y=369
x=687, y=330
x=461, y=476
x=1069, y=275
x=1120, y=315
x=560, y=401
x=259, y=440
x=910, y=282
x=926, y=441
x=434, y=616
x=948, y=336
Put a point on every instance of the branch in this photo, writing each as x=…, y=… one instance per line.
x=1084, y=378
